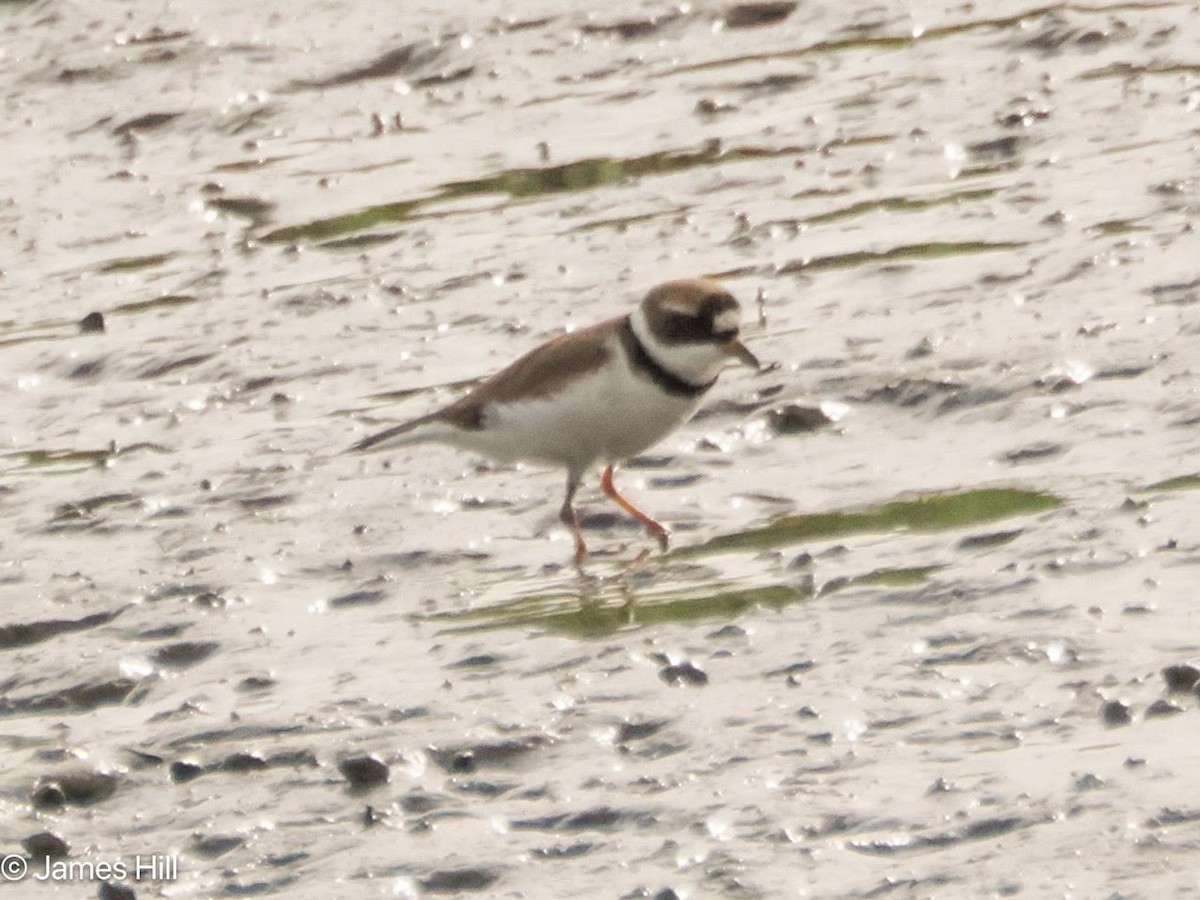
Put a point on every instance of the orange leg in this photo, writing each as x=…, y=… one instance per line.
x=656, y=529
x=571, y=519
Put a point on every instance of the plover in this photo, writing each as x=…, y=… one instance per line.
x=595, y=396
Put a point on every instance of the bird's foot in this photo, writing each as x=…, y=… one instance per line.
x=663, y=535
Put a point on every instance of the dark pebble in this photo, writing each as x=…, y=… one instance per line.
x=684, y=673
x=635, y=731
x=454, y=881
x=1181, y=678
x=183, y=770
x=463, y=762
x=185, y=653
x=115, y=890
x=256, y=683
x=80, y=788
x=794, y=669
x=92, y=323
x=756, y=15
x=1114, y=712
x=416, y=804
x=364, y=771
x=87, y=370
x=45, y=845
x=48, y=796
x=358, y=598
x=666, y=894
x=795, y=419
x=216, y=845
x=940, y=786
x=243, y=762
x=1160, y=708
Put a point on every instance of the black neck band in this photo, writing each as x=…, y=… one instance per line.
x=641, y=360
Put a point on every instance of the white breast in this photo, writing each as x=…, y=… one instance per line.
x=604, y=416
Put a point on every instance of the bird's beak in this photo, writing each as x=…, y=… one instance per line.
x=742, y=354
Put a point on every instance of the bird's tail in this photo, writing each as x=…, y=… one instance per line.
x=415, y=431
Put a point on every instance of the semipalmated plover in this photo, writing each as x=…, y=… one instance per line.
x=598, y=395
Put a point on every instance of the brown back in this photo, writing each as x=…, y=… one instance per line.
x=540, y=373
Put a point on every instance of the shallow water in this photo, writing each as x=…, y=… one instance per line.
x=912, y=652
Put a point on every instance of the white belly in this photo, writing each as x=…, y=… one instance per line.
x=603, y=416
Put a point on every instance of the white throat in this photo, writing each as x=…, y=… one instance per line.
x=697, y=364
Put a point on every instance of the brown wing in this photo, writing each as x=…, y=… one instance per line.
x=542, y=372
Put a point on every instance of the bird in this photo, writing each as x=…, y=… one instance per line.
x=596, y=396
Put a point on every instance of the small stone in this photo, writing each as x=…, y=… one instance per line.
x=756, y=15
x=636, y=731
x=793, y=418
x=418, y=804
x=707, y=106
x=81, y=787
x=364, y=771
x=116, y=890
x=45, y=845
x=92, y=323
x=185, y=653
x=463, y=762
x=684, y=673
x=1161, y=708
x=243, y=762
x=48, y=795
x=458, y=881
x=1114, y=712
x=1181, y=678
x=358, y=598
x=927, y=346
x=252, y=683
x=216, y=845
x=940, y=786
x=183, y=770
